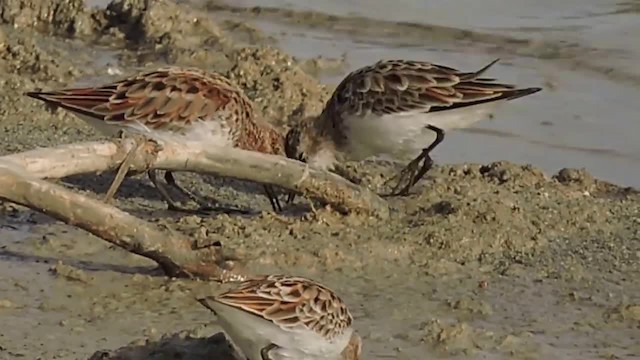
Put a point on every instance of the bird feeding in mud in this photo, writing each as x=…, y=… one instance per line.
x=393, y=109
x=180, y=105
x=280, y=317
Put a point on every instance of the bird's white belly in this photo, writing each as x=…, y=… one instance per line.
x=391, y=138
x=243, y=329
x=103, y=127
x=403, y=136
x=251, y=334
x=211, y=132
x=308, y=345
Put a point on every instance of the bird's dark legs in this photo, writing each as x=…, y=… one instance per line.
x=273, y=198
x=204, y=205
x=164, y=192
x=410, y=174
x=200, y=200
x=414, y=171
x=290, y=197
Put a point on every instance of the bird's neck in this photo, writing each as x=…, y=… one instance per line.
x=262, y=137
x=329, y=127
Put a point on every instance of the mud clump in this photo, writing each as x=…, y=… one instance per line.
x=63, y=17
x=27, y=62
x=140, y=21
x=579, y=180
x=22, y=56
x=504, y=172
x=268, y=74
x=459, y=338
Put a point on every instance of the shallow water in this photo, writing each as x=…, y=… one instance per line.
x=585, y=117
x=606, y=24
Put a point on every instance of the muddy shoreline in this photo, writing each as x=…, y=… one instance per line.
x=490, y=261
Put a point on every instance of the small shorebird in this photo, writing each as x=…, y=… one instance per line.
x=392, y=109
x=173, y=105
x=279, y=317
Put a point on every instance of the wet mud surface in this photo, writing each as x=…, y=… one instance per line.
x=484, y=261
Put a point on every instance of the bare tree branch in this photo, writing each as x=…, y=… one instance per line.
x=174, y=253
x=96, y=157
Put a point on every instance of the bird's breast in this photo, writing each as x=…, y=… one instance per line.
x=389, y=137
x=402, y=136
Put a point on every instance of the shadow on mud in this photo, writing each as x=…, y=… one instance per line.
x=10, y=255
x=175, y=346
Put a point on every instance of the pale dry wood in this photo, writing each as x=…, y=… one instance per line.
x=96, y=157
x=121, y=174
x=173, y=252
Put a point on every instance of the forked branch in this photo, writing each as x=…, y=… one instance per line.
x=96, y=157
x=174, y=253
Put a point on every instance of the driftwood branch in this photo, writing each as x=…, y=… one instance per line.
x=21, y=183
x=174, y=253
x=96, y=157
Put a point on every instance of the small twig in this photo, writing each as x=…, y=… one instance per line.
x=172, y=252
x=122, y=172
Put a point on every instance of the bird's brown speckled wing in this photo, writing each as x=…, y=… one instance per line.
x=168, y=98
x=291, y=301
x=402, y=86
